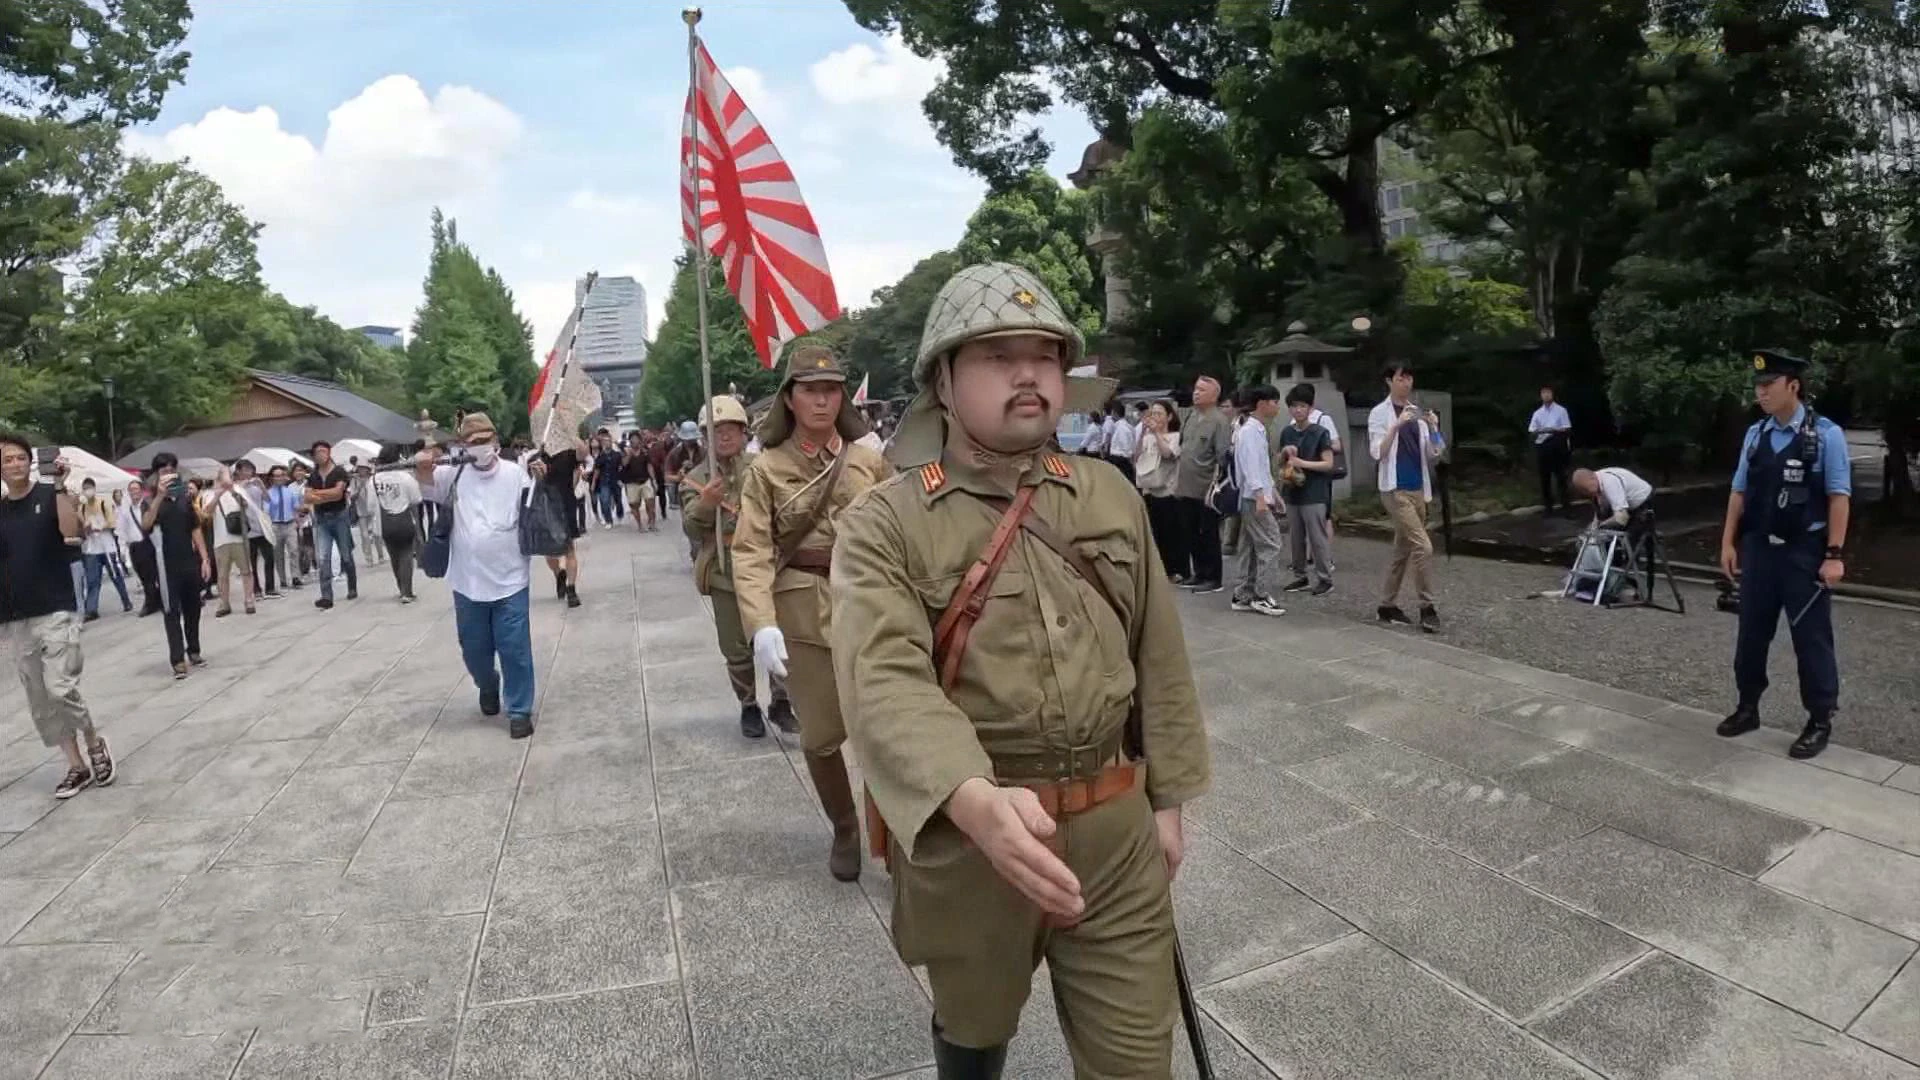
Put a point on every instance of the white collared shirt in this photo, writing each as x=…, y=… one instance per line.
x=1548, y=421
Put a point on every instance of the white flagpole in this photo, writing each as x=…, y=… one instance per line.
x=552, y=387
x=692, y=18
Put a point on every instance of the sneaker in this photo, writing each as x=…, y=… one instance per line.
x=251, y=610
x=1323, y=588
x=1298, y=584
x=91, y=616
x=1240, y=605
x=1265, y=606
x=323, y=604
x=782, y=716
x=1180, y=580
x=223, y=613
x=519, y=726
x=77, y=779
x=196, y=659
x=102, y=762
x=1205, y=587
x=405, y=600
x=489, y=703
x=1429, y=620
x=1388, y=613
x=271, y=595
x=179, y=672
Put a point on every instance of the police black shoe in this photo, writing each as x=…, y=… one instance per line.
x=965, y=1063
x=1743, y=719
x=782, y=716
x=752, y=724
x=1813, y=738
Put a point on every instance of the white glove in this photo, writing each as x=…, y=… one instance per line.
x=770, y=650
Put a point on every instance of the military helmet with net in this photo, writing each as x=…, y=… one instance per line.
x=992, y=299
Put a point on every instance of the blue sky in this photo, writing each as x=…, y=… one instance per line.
x=550, y=131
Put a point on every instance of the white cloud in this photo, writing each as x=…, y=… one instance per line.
x=390, y=147
x=860, y=74
x=591, y=201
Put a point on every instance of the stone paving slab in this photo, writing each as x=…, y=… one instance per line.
x=1819, y=962
x=321, y=862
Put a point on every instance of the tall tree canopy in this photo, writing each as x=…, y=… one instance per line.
x=671, y=390
x=470, y=348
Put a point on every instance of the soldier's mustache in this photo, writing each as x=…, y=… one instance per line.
x=1028, y=399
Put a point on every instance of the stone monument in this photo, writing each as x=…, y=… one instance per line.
x=1112, y=350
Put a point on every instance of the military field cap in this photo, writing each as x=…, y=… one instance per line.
x=809, y=361
x=474, y=423
x=1771, y=364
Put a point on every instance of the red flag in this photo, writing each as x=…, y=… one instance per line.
x=752, y=217
x=540, y=382
x=860, y=395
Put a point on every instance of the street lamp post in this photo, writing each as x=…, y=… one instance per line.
x=113, y=441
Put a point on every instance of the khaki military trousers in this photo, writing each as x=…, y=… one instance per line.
x=1113, y=981
x=816, y=698
x=737, y=649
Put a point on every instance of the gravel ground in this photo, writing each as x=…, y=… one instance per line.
x=1688, y=659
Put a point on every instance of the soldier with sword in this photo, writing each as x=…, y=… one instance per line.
x=1015, y=684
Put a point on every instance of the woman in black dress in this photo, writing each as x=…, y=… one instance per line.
x=562, y=469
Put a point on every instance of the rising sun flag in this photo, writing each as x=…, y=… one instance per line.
x=739, y=202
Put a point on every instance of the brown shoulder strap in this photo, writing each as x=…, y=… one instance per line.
x=970, y=599
x=786, y=546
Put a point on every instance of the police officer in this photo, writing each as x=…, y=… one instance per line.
x=1785, y=530
x=807, y=473
x=708, y=501
x=1018, y=693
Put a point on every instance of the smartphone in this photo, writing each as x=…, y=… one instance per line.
x=177, y=486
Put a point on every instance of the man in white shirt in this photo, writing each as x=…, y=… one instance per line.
x=1259, y=502
x=1616, y=493
x=1122, y=442
x=1406, y=441
x=1095, y=444
x=487, y=572
x=1552, y=446
x=138, y=547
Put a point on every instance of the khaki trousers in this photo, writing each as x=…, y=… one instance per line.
x=816, y=698
x=1412, y=547
x=1113, y=981
x=737, y=650
x=46, y=651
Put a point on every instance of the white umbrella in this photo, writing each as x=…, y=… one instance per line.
x=266, y=457
x=346, y=450
x=83, y=466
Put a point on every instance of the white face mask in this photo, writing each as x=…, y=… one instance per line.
x=484, y=455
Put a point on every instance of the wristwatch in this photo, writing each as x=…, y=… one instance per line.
x=1834, y=552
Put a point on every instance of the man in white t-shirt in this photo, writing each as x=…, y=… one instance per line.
x=486, y=571
x=1616, y=493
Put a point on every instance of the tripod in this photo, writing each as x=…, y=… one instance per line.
x=1611, y=557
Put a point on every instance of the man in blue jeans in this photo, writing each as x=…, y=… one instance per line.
x=327, y=495
x=486, y=570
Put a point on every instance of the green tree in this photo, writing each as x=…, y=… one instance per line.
x=883, y=340
x=671, y=389
x=1043, y=227
x=470, y=348
x=168, y=307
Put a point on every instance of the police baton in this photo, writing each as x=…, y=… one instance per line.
x=1819, y=589
x=1190, y=1013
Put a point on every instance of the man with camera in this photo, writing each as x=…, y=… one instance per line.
x=180, y=548
x=1406, y=441
x=39, y=616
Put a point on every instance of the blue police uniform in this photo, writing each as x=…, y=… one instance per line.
x=1787, y=472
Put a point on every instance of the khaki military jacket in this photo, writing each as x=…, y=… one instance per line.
x=776, y=497
x=1050, y=665
x=711, y=573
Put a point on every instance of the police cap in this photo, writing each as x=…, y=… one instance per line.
x=1771, y=364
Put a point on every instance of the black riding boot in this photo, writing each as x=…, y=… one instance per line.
x=964, y=1063
x=1813, y=738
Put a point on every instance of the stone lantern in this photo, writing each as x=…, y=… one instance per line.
x=1108, y=244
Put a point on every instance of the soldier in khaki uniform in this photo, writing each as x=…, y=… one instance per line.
x=1017, y=690
x=704, y=502
x=808, y=470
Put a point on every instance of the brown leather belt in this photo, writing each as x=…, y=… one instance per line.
x=1063, y=798
x=812, y=560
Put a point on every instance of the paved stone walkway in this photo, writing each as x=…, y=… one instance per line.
x=320, y=861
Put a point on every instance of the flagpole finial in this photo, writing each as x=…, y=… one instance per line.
x=690, y=15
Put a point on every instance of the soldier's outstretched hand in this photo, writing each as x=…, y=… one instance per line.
x=1009, y=827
